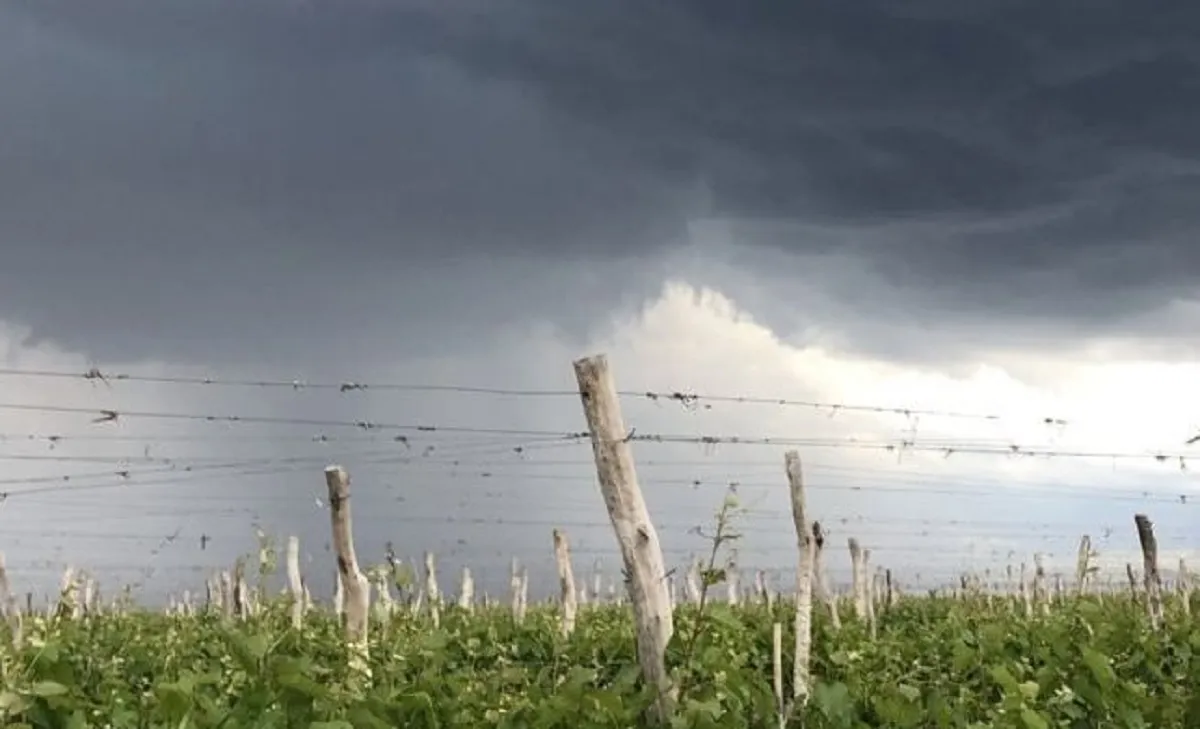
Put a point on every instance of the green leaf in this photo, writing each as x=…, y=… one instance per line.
x=1033, y=720
x=12, y=702
x=174, y=699
x=912, y=693
x=1100, y=668
x=1029, y=690
x=1002, y=676
x=46, y=689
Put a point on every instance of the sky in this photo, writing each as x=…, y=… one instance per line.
x=976, y=220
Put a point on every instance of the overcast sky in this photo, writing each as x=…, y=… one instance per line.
x=985, y=208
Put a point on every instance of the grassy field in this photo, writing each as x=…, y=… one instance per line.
x=934, y=663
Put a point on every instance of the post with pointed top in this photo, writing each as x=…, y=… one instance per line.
x=635, y=532
x=354, y=583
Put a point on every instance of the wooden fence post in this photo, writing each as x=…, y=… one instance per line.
x=869, y=597
x=295, y=583
x=858, y=578
x=821, y=577
x=1150, y=576
x=433, y=594
x=8, y=605
x=354, y=583
x=804, y=580
x=1083, y=565
x=635, y=532
x=466, y=591
x=566, y=579
x=1183, y=587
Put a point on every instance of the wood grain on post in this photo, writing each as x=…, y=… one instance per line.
x=1083, y=565
x=227, y=606
x=354, y=584
x=433, y=594
x=566, y=580
x=691, y=581
x=821, y=577
x=804, y=579
x=858, y=579
x=295, y=584
x=9, y=607
x=1041, y=593
x=1183, y=587
x=514, y=584
x=597, y=581
x=1150, y=576
x=869, y=596
x=523, y=594
x=466, y=591
x=1133, y=588
x=781, y=709
x=635, y=532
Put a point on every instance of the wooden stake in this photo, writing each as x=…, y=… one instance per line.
x=1150, y=576
x=1083, y=565
x=777, y=672
x=295, y=584
x=804, y=579
x=566, y=579
x=1183, y=587
x=858, y=578
x=357, y=589
x=466, y=591
x=635, y=532
x=821, y=578
x=433, y=593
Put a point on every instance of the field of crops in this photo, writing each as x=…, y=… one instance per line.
x=934, y=663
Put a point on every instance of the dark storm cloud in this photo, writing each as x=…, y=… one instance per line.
x=222, y=177
x=1006, y=160
x=1011, y=158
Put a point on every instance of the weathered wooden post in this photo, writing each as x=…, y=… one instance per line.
x=295, y=583
x=354, y=583
x=566, y=579
x=1150, y=576
x=804, y=580
x=635, y=531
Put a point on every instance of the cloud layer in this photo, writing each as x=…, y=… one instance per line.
x=1007, y=167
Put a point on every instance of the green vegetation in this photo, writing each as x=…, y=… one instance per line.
x=936, y=663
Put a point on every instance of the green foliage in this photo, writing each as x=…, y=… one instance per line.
x=936, y=663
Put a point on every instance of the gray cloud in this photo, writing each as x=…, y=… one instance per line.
x=1010, y=160
x=318, y=190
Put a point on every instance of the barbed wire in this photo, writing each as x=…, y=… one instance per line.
x=1099, y=528
x=685, y=398
x=507, y=457
x=864, y=531
x=901, y=445
x=280, y=466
